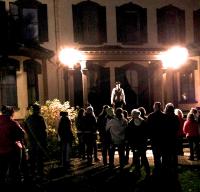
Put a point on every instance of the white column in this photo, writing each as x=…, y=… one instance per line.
x=85, y=87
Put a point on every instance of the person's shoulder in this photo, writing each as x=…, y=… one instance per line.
x=14, y=122
x=150, y=115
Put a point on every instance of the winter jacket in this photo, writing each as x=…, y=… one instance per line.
x=10, y=132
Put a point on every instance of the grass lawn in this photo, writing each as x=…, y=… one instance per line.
x=188, y=181
x=189, y=178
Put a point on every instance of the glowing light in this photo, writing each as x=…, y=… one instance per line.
x=174, y=57
x=70, y=57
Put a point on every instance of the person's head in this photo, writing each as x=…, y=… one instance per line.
x=125, y=112
x=63, y=113
x=190, y=117
x=103, y=112
x=110, y=112
x=193, y=110
x=169, y=108
x=157, y=106
x=117, y=84
x=89, y=110
x=105, y=107
x=142, y=111
x=81, y=112
x=7, y=110
x=36, y=108
x=179, y=112
x=135, y=113
x=119, y=113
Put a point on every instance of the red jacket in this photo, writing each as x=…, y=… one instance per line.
x=190, y=128
x=10, y=132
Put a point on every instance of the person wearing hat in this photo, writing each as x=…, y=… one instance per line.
x=118, y=96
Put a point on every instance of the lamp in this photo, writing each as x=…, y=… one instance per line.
x=172, y=59
x=70, y=57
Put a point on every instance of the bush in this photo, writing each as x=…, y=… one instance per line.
x=51, y=113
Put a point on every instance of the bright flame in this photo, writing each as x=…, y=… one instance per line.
x=174, y=57
x=70, y=57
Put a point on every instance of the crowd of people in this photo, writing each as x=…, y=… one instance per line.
x=164, y=130
x=116, y=129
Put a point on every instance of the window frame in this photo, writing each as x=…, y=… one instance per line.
x=8, y=89
x=131, y=12
x=187, y=89
x=32, y=68
x=16, y=11
x=90, y=27
x=171, y=25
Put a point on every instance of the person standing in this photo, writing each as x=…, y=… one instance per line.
x=137, y=138
x=169, y=150
x=190, y=128
x=37, y=140
x=180, y=134
x=155, y=123
x=10, y=136
x=66, y=138
x=117, y=127
x=80, y=132
x=104, y=137
x=90, y=133
x=118, y=96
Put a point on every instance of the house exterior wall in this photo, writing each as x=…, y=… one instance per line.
x=60, y=29
x=65, y=35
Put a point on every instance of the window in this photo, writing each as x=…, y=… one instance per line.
x=8, y=88
x=32, y=83
x=28, y=22
x=89, y=20
x=196, y=17
x=8, y=82
x=187, y=87
x=171, y=25
x=32, y=69
x=131, y=24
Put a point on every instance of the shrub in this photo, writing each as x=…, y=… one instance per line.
x=51, y=113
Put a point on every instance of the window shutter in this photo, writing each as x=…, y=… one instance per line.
x=102, y=24
x=119, y=24
x=143, y=26
x=4, y=28
x=161, y=26
x=181, y=15
x=77, y=25
x=43, y=23
x=196, y=18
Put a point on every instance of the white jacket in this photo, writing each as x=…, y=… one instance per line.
x=117, y=129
